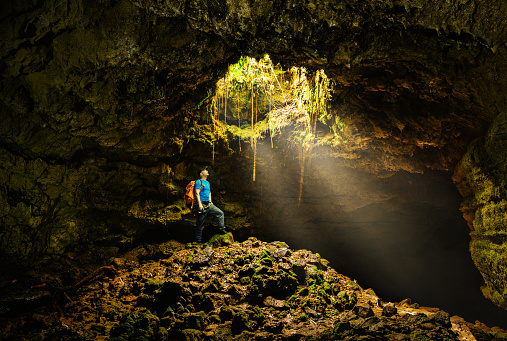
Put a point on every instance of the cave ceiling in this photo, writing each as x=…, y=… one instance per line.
x=412, y=77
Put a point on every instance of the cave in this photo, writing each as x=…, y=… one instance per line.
x=109, y=108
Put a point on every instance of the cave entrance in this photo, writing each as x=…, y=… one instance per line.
x=259, y=100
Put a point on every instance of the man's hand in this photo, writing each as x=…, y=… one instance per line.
x=201, y=207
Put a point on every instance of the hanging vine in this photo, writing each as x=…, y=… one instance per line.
x=290, y=100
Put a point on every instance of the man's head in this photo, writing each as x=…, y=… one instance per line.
x=203, y=171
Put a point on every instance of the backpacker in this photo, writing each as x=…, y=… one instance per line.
x=189, y=197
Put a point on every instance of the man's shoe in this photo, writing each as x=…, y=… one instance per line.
x=223, y=231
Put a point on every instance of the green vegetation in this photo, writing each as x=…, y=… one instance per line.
x=156, y=282
x=257, y=99
x=265, y=259
x=260, y=98
x=144, y=325
x=486, y=193
x=420, y=336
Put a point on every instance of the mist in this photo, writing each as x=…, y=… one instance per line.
x=401, y=235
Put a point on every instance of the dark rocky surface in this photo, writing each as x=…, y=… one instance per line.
x=226, y=290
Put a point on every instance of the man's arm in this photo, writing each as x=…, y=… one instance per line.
x=210, y=202
x=198, y=197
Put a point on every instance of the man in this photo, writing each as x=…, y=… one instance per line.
x=205, y=205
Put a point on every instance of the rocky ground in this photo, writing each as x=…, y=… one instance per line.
x=224, y=290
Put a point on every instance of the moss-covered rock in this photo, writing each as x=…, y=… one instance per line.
x=210, y=302
x=480, y=180
x=137, y=325
x=221, y=239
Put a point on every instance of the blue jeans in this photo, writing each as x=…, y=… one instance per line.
x=201, y=218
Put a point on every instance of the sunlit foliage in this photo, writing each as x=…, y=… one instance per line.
x=257, y=98
x=270, y=98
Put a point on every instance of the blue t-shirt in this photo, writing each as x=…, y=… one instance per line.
x=204, y=194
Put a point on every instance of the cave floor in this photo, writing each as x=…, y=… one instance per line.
x=208, y=290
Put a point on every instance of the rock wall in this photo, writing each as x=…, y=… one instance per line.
x=481, y=176
x=89, y=126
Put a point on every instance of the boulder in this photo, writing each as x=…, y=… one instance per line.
x=363, y=309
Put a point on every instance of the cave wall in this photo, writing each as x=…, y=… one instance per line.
x=89, y=125
x=481, y=179
x=101, y=103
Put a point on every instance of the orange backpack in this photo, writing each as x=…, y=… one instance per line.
x=189, y=196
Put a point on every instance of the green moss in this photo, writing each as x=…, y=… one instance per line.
x=169, y=312
x=323, y=294
x=419, y=336
x=239, y=260
x=267, y=262
x=258, y=314
x=256, y=286
x=491, y=217
x=491, y=258
x=340, y=331
x=164, y=334
x=352, y=300
x=303, y=291
x=221, y=239
x=293, y=300
x=482, y=169
x=138, y=324
x=282, y=245
x=156, y=282
x=266, y=259
x=315, y=277
x=324, y=262
x=264, y=254
x=421, y=317
x=344, y=300
x=354, y=285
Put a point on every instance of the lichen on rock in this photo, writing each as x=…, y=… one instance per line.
x=485, y=190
